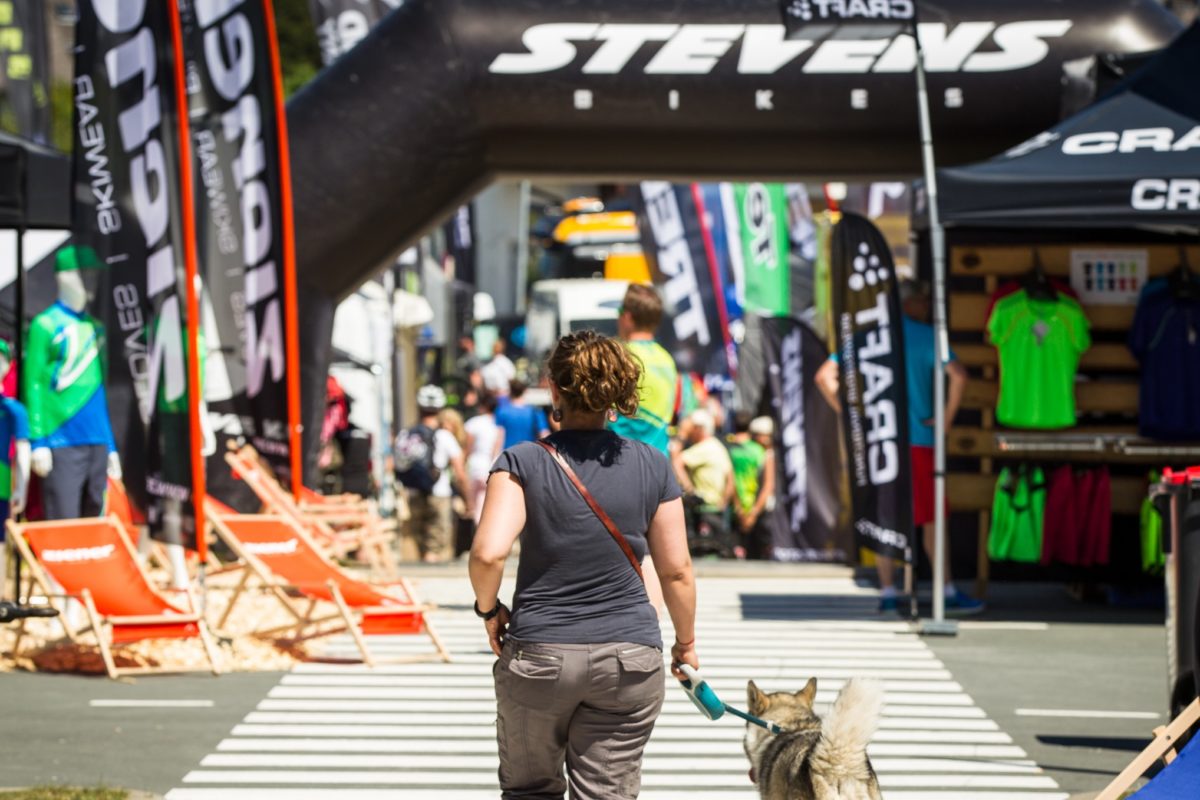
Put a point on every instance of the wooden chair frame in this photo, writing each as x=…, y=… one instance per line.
x=367, y=531
x=101, y=625
x=1166, y=738
x=306, y=624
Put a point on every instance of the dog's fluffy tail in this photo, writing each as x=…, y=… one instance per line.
x=842, y=748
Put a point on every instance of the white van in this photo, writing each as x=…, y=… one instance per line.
x=558, y=307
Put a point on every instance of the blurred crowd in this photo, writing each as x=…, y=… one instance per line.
x=726, y=467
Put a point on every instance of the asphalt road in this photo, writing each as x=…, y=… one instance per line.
x=1036, y=649
x=1086, y=659
x=53, y=734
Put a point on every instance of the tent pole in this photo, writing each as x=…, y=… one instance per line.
x=939, y=624
x=18, y=360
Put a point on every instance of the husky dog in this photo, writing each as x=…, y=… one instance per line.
x=810, y=760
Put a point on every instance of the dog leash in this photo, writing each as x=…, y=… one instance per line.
x=711, y=706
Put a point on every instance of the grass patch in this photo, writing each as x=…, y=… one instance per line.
x=65, y=793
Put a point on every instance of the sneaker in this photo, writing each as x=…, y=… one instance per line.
x=889, y=604
x=964, y=605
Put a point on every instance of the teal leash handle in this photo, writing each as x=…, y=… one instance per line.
x=711, y=706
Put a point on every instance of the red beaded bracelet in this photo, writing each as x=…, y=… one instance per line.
x=685, y=644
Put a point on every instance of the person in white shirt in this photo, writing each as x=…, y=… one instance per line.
x=431, y=512
x=498, y=372
x=485, y=442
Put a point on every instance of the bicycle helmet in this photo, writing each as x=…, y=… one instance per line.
x=431, y=398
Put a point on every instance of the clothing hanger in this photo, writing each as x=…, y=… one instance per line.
x=1183, y=282
x=1035, y=282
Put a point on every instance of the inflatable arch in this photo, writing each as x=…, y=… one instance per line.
x=445, y=96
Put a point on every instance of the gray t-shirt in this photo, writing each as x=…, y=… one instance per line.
x=574, y=584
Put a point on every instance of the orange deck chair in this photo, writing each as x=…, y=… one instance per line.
x=365, y=531
x=94, y=562
x=345, y=503
x=280, y=554
x=119, y=505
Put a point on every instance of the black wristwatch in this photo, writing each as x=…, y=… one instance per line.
x=489, y=615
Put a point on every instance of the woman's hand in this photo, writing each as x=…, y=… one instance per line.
x=684, y=654
x=497, y=628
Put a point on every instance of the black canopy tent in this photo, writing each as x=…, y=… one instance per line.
x=35, y=184
x=1131, y=159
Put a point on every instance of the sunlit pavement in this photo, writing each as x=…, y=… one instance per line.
x=1012, y=708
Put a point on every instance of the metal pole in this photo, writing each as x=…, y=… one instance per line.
x=937, y=239
x=525, y=204
x=18, y=359
x=910, y=591
x=19, y=327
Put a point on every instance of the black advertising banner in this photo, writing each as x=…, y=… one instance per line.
x=674, y=242
x=130, y=207
x=23, y=52
x=870, y=342
x=244, y=239
x=341, y=24
x=804, y=526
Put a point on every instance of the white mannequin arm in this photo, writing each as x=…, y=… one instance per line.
x=114, y=466
x=20, y=477
x=43, y=461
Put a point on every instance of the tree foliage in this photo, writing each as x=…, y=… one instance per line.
x=299, y=56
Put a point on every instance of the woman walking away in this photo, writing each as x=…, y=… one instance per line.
x=579, y=680
x=485, y=442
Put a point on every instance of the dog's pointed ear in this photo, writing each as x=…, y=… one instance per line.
x=756, y=699
x=809, y=693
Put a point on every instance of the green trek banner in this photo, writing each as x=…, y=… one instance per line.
x=762, y=210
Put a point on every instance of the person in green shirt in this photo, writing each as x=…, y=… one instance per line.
x=752, y=453
x=641, y=313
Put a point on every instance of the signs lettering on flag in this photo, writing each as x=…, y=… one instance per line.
x=726, y=237
x=804, y=523
x=799, y=13
x=341, y=24
x=674, y=243
x=244, y=239
x=870, y=341
x=130, y=209
x=762, y=210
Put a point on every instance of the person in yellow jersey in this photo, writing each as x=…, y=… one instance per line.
x=641, y=313
x=658, y=389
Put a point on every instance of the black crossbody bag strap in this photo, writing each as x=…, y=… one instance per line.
x=606, y=520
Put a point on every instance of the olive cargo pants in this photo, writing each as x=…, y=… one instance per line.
x=590, y=706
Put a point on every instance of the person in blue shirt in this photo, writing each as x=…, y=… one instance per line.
x=14, y=440
x=521, y=422
x=920, y=363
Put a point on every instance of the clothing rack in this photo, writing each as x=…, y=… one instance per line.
x=1113, y=443
x=1107, y=399
x=1133, y=447
x=1025, y=443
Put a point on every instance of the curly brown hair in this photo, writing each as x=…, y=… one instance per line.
x=595, y=373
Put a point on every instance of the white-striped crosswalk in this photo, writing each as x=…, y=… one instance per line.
x=427, y=731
